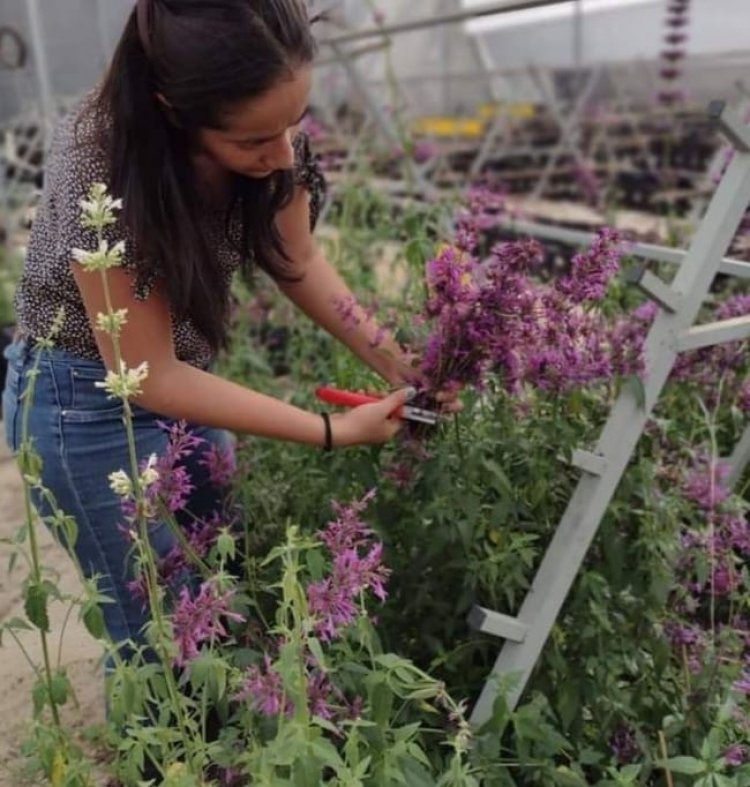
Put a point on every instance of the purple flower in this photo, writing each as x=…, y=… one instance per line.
x=743, y=399
x=319, y=694
x=736, y=755
x=743, y=684
x=221, y=465
x=347, y=530
x=624, y=745
x=333, y=607
x=200, y=619
x=593, y=269
x=587, y=180
x=264, y=688
x=681, y=635
x=357, y=568
x=705, y=485
x=359, y=574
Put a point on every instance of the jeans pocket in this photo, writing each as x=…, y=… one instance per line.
x=88, y=402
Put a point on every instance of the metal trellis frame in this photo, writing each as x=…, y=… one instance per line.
x=672, y=332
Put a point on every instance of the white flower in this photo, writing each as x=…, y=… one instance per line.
x=126, y=383
x=99, y=209
x=149, y=474
x=120, y=484
x=102, y=259
x=112, y=323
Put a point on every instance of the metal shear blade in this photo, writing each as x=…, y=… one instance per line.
x=418, y=414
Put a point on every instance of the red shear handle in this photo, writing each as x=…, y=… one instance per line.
x=344, y=398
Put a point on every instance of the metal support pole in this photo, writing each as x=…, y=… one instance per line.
x=627, y=420
x=569, y=128
x=379, y=115
x=739, y=459
x=41, y=65
x=648, y=251
x=578, y=43
x=441, y=19
x=102, y=18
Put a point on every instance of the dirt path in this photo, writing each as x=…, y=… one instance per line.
x=78, y=655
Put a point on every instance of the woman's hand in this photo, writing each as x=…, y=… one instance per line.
x=405, y=370
x=370, y=424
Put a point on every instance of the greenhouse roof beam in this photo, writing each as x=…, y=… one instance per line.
x=437, y=20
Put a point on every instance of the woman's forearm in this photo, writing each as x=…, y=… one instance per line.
x=180, y=391
x=324, y=296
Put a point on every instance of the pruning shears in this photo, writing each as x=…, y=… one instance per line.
x=353, y=399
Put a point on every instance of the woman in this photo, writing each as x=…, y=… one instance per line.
x=194, y=127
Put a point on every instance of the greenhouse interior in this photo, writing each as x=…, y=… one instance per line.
x=375, y=393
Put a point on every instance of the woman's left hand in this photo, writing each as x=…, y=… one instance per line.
x=405, y=371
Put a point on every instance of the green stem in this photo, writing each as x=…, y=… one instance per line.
x=36, y=568
x=147, y=555
x=23, y=650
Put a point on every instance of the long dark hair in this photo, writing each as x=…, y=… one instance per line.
x=201, y=56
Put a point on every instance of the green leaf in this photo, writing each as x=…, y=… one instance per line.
x=225, y=545
x=129, y=691
x=93, y=620
x=217, y=680
x=317, y=651
x=567, y=778
x=685, y=765
x=504, y=483
x=381, y=701
x=18, y=624
x=36, y=606
x=39, y=696
x=60, y=688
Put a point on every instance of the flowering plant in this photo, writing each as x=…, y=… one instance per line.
x=289, y=647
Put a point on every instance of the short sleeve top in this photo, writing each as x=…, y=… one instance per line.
x=74, y=162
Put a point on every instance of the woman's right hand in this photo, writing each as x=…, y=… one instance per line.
x=370, y=424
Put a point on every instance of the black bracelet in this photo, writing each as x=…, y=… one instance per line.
x=328, y=445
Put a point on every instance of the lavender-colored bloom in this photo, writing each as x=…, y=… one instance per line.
x=333, y=601
x=682, y=635
x=319, y=694
x=588, y=182
x=725, y=579
x=200, y=619
x=360, y=574
x=705, y=485
x=313, y=128
x=743, y=398
x=743, y=684
x=737, y=529
x=221, y=465
x=347, y=530
x=264, y=688
x=624, y=744
x=231, y=777
x=736, y=755
x=333, y=607
x=670, y=73
x=593, y=269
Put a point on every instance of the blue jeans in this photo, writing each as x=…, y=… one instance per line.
x=80, y=436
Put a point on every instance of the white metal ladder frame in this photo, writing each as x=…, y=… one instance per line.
x=672, y=332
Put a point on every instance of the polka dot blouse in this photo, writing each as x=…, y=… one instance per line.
x=73, y=163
